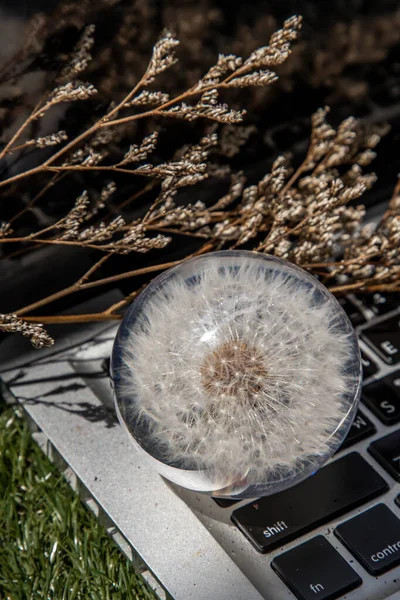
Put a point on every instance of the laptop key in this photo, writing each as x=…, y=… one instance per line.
x=387, y=452
x=383, y=398
x=360, y=429
x=384, y=338
x=316, y=570
x=368, y=365
x=332, y=491
x=373, y=538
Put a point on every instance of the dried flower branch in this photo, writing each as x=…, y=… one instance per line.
x=301, y=214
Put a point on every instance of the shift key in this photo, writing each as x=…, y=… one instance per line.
x=334, y=490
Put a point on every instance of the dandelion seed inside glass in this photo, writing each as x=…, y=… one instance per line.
x=236, y=373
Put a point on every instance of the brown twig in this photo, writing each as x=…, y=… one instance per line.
x=68, y=319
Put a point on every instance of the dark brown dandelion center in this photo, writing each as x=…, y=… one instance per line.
x=234, y=369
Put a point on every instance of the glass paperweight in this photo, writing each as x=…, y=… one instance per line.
x=237, y=374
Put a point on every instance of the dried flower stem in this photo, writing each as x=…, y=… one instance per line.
x=68, y=319
x=303, y=214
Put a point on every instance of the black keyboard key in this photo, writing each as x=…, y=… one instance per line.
x=394, y=381
x=368, y=365
x=381, y=303
x=316, y=570
x=355, y=315
x=225, y=502
x=387, y=452
x=397, y=500
x=373, y=538
x=361, y=428
x=384, y=338
x=383, y=398
x=335, y=489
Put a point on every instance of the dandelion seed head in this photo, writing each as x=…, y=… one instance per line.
x=239, y=366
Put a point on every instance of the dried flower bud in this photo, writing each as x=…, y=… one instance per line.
x=258, y=78
x=50, y=140
x=207, y=107
x=80, y=57
x=69, y=92
x=138, y=153
x=226, y=64
x=163, y=56
x=146, y=98
x=5, y=229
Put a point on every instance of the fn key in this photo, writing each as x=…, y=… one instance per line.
x=315, y=570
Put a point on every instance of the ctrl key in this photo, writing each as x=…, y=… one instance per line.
x=374, y=538
x=315, y=570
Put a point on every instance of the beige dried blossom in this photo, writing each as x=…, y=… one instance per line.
x=190, y=217
x=100, y=202
x=80, y=57
x=49, y=140
x=81, y=212
x=146, y=98
x=163, y=57
x=72, y=91
x=278, y=49
x=207, y=107
x=135, y=240
x=75, y=216
x=10, y=323
x=107, y=191
x=97, y=233
x=226, y=64
x=137, y=153
x=5, y=229
x=92, y=158
x=258, y=78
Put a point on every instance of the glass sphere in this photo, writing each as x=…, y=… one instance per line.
x=236, y=373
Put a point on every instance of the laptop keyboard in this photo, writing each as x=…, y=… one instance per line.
x=314, y=568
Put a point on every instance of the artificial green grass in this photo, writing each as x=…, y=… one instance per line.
x=51, y=546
